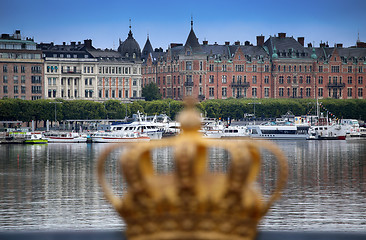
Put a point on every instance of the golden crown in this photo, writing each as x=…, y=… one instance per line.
x=192, y=203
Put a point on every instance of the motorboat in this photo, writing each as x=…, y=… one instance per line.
x=268, y=131
x=327, y=132
x=64, y=137
x=34, y=138
x=235, y=132
x=119, y=137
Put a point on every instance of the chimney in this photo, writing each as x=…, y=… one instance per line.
x=281, y=35
x=88, y=43
x=215, y=44
x=237, y=43
x=310, y=45
x=79, y=43
x=260, y=41
x=227, y=43
x=339, y=45
x=301, y=40
x=73, y=43
x=205, y=42
x=64, y=43
x=246, y=43
x=322, y=44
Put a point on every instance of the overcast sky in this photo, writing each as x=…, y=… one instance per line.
x=166, y=22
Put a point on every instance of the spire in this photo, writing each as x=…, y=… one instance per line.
x=358, y=36
x=192, y=40
x=130, y=32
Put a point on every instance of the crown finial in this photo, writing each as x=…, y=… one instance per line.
x=192, y=202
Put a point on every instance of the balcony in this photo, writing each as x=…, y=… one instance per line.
x=240, y=84
x=188, y=84
x=336, y=85
x=71, y=71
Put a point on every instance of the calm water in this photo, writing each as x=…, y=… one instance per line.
x=54, y=186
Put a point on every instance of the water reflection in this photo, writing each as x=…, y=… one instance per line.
x=54, y=186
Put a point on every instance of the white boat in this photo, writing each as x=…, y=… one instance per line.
x=352, y=127
x=64, y=137
x=235, y=131
x=119, y=136
x=278, y=131
x=362, y=132
x=212, y=128
x=327, y=132
x=34, y=138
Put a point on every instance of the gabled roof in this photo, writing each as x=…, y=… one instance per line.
x=147, y=49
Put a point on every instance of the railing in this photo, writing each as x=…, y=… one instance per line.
x=240, y=84
x=119, y=235
x=188, y=84
x=341, y=85
x=71, y=71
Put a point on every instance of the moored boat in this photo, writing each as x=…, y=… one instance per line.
x=34, y=138
x=64, y=137
x=119, y=136
x=278, y=132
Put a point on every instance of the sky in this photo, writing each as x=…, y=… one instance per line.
x=105, y=22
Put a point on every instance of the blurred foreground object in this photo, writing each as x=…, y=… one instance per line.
x=191, y=202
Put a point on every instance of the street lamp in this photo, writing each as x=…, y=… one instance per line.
x=254, y=103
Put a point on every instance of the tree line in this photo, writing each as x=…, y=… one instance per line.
x=27, y=110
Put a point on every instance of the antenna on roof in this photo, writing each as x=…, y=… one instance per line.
x=358, y=35
x=191, y=21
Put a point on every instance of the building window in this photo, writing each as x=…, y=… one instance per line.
x=15, y=69
x=308, y=92
x=22, y=79
x=126, y=94
x=254, y=68
x=349, y=92
x=349, y=80
x=211, y=92
x=280, y=80
x=5, y=79
x=266, y=79
x=16, y=90
x=188, y=65
x=280, y=92
x=254, y=80
x=350, y=69
x=266, y=68
x=320, y=68
x=360, y=69
x=224, y=68
x=294, y=80
x=5, y=68
x=22, y=89
x=22, y=69
x=288, y=79
x=320, y=80
x=5, y=89
x=224, y=79
x=254, y=92
x=201, y=65
x=266, y=92
x=288, y=92
x=224, y=91
x=308, y=79
x=360, y=92
x=211, y=79
x=360, y=80
x=320, y=92
x=335, y=69
x=211, y=69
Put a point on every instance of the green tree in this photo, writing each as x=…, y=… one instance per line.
x=151, y=92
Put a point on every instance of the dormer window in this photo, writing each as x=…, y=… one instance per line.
x=134, y=55
x=188, y=53
x=126, y=54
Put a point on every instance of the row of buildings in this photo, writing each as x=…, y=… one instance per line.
x=69, y=71
x=279, y=67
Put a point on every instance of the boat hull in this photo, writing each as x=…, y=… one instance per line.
x=119, y=140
